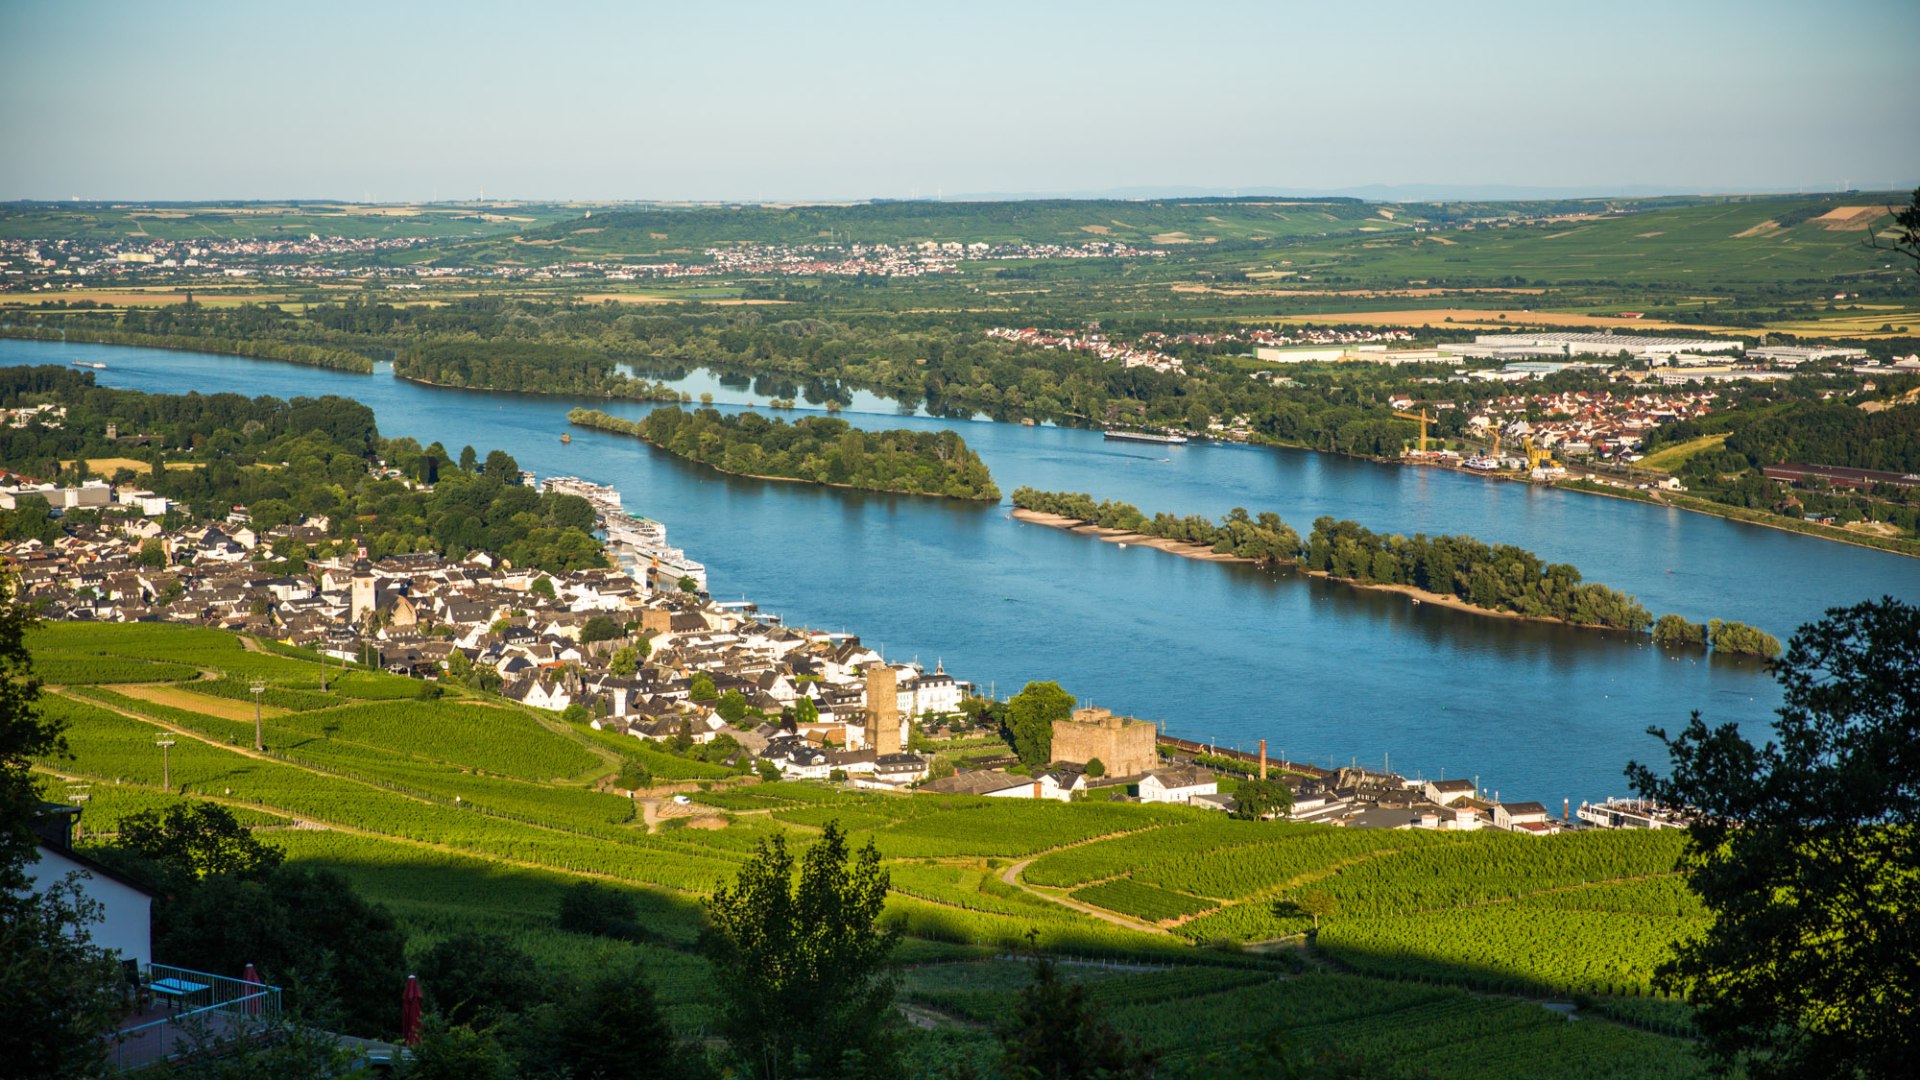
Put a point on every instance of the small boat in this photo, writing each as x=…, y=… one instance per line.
x=566, y=438
x=86, y=364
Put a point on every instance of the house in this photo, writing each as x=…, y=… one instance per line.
x=1446, y=792
x=126, y=909
x=1521, y=817
x=1177, y=784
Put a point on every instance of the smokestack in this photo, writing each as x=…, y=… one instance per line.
x=1263, y=759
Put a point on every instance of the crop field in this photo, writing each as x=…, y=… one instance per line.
x=224, y=708
x=464, y=815
x=1669, y=458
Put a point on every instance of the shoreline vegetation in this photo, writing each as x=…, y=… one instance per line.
x=1892, y=545
x=814, y=450
x=251, y=348
x=527, y=368
x=1460, y=573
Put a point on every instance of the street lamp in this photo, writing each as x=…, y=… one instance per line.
x=257, y=687
x=166, y=764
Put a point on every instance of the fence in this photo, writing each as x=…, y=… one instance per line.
x=207, y=1010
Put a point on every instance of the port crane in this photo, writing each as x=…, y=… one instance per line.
x=1537, y=456
x=1424, y=418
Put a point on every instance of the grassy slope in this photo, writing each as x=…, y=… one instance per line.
x=375, y=799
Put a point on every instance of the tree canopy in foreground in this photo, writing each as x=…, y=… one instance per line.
x=1804, y=849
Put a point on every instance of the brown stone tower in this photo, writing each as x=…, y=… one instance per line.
x=883, y=709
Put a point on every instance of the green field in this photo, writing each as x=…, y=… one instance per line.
x=470, y=813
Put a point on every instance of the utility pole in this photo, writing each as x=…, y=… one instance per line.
x=323, y=664
x=257, y=688
x=166, y=765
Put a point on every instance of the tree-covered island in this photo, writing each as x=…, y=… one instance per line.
x=1459, y=570
x=817, y=450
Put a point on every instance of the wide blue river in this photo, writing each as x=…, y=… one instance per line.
x=1225, y=653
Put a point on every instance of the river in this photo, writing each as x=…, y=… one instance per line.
x=1226, y=653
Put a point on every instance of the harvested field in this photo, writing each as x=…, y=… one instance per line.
x=107, y=466
x=1843, y=218
x=1490, y=319
x=204, y=704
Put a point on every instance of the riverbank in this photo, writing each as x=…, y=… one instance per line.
x=1125, y=538
x=1708, y=508
x=285, y=352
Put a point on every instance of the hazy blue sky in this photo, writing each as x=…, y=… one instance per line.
x=395, y=100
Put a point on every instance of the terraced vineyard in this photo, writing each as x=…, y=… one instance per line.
x=472, y=813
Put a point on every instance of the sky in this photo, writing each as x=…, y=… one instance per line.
x=785, y=101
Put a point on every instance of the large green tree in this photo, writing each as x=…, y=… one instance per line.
x=800, y=964
x=1031, y=714
x=1804, y=851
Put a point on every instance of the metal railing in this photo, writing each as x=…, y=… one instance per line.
x=209, y=1011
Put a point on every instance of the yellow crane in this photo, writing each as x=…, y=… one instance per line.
x=1424, y=419
x=1537, y=455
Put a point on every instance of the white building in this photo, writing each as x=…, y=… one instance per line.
x=1177, y=784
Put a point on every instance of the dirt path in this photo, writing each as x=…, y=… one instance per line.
x=1011, y=876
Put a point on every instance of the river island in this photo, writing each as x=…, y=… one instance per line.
x=815, y=450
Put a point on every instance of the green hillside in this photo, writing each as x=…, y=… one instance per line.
x=1728, y=243
x=470, y=813
x=268, y=221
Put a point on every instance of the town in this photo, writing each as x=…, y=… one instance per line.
x=642, y=649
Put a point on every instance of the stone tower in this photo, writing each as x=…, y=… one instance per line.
x=883, y=709
x=365, y=596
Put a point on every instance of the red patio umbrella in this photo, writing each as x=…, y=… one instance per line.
x=252, y=978
x=410, y=1012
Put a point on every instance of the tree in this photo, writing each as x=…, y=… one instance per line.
x=197, y=839
x=802, y=967
x=340, y=958
x=1674, y=631
x=1803, y=850
x=1058, y=1032
x=1313, y=903
x=688, y=585
x=609, y=1029
x=501, y=466
x=805, y=711
x=468, y=459
x=601, y=910
x=153, y=555
x=624, y=662
x=457, y=1052
x=1255, y=800
x=732, y=707
x=1096, y=768
x=1906, y=240
x=702, y=688
x=1031, y=714
x=601, y=628
x=479, y=979
x=542, y=586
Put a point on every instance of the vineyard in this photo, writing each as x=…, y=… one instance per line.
x=468, y=813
